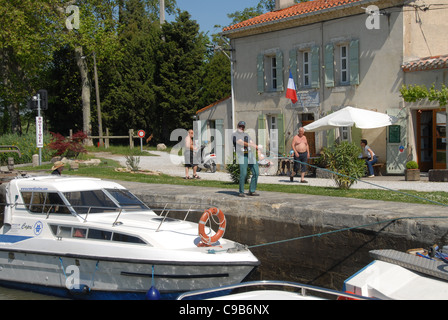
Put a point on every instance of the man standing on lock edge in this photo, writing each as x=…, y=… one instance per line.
x=301, y=154
x=245, y=152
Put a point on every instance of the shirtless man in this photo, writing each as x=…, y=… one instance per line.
x=301, y=153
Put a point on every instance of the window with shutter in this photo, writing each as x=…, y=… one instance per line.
x=279, y=74
x=315, y=68
x=329, y=65
x=354, y=62
x=270, y=72
x=260, y=73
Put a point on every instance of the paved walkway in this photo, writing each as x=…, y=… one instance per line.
x=173, y=165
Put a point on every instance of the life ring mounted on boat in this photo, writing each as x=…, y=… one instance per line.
x=206, y=239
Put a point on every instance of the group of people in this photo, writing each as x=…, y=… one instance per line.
x=244, y=149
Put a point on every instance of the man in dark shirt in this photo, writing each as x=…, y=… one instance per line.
x=245, y=148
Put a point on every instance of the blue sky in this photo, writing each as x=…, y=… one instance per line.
x=211, y=12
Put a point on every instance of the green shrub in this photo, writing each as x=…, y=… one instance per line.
x=27, y=146
x=343, y=160
x=234, y=170
x=411, y=165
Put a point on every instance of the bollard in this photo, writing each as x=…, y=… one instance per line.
x=10, y=163
x=35, y=160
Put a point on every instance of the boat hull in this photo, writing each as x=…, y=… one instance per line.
x=96, y=278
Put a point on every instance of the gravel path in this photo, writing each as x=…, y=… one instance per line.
x=173, y=165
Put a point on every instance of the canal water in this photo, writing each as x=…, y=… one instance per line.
x=324, y=261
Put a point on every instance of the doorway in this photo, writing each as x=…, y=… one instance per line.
x=431, y=139
x=304, y=119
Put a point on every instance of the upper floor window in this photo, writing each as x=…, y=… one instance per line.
x=270, y=71
x=306, y=69
x=304, y=64
x=341, y=61
x=272, y=74
x=344, y=65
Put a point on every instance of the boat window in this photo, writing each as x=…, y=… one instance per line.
x=93, y=234
x=79, y=233
x=95, y=201
x=126, y=238
x=127, y=200
x=99, y=234
x=64, y=232
x=44, y=202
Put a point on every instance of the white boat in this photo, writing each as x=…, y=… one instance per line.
x=93, y=239
x=395, y=275
x=271, y=290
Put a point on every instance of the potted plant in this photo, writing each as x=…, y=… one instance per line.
x=412, y=172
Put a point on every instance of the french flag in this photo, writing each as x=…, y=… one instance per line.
x=291, y=90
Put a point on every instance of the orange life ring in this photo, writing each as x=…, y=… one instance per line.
x=205, y=238
x=342, y=298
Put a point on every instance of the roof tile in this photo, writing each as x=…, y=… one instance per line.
x=296, y=10
x=428, y=63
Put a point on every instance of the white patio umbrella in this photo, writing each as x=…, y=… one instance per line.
x=349, y=116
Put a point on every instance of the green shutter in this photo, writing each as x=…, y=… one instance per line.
x=293, y=63
x=354, y=62
x=219, y=142
x=260, y=73
x=315, y=68
x=279, y=57
x=329, y=65
x=281, y=134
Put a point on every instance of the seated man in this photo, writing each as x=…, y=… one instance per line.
x=370, y=157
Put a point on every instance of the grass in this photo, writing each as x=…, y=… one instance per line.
x=106, y=170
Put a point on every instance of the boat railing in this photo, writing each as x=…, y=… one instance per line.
x=86, y=209
x=165, y=211
x=304, y=289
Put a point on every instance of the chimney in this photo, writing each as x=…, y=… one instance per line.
x=282, y=4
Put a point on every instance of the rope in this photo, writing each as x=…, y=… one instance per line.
x=367, y=182
x=213, y=251
x=94, y=271
x=343, y=229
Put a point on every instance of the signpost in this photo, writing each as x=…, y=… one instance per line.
x=40, y=102
x=141, y=134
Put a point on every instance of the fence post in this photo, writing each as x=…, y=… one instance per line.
x=106, y=141
x=131, y=139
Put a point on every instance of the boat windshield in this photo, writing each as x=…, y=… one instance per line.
x=94, y=201
x=127, y=200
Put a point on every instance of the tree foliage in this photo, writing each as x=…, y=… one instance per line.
x=151, y=77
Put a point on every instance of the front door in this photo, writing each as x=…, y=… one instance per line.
x=440, y=139
x=431, y=139
x=310, y=136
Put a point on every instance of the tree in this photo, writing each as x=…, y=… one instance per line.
x=130, y=97
x=252, y=12
x=64, y=93
x=180, y=73
x=27, y=38
x=217, y=82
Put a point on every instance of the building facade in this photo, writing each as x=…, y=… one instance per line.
x=341, y=53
